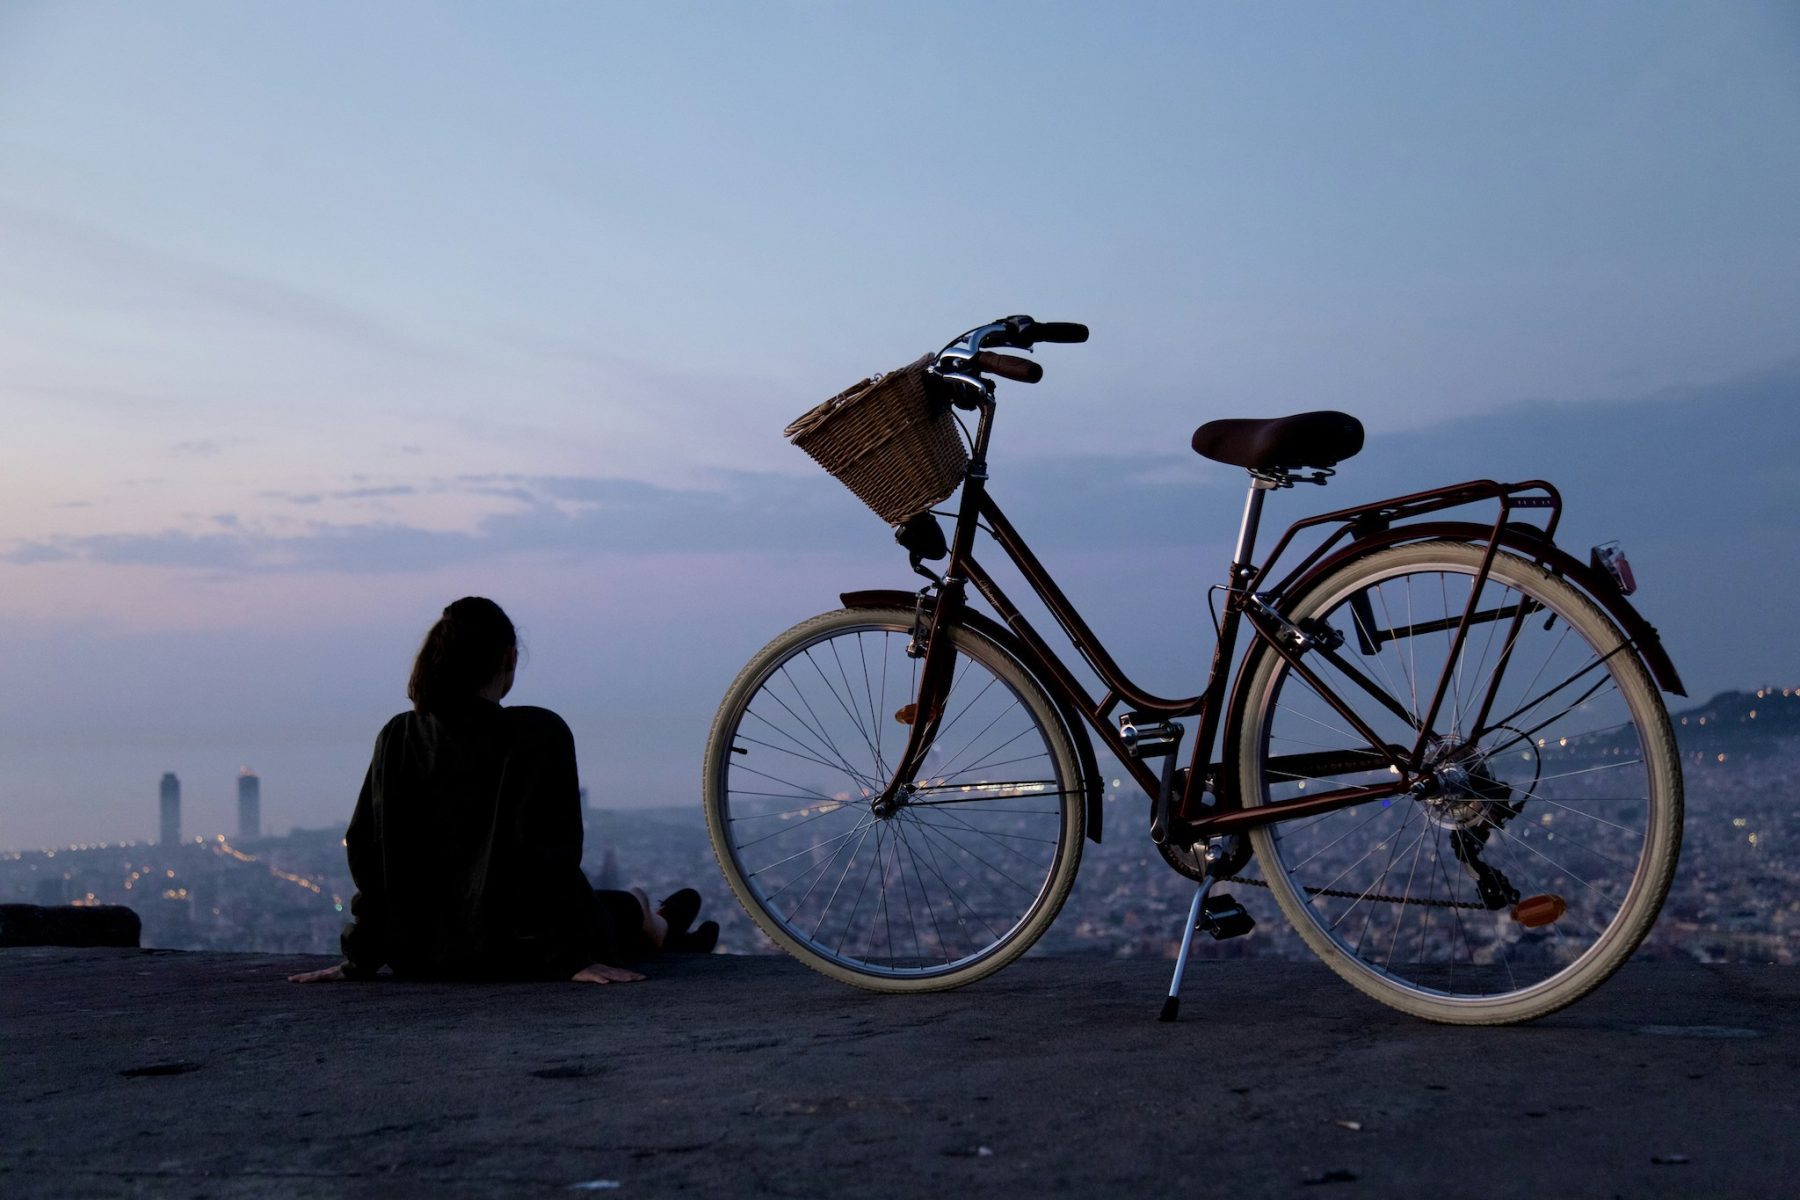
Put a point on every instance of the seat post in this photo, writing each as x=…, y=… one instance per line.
x=1246, y=543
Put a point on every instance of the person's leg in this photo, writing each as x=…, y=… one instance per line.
x=679, y=909
x=655, y=926
x=642, y=930
x=634, y=930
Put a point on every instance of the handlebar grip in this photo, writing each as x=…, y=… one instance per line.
x=1058, y=331
x=1022, y=370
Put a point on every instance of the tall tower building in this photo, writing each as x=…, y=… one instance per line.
x=249, y=805
x=171, y=809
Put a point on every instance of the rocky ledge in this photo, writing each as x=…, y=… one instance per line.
x=148, y=1073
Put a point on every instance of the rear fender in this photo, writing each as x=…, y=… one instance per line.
x=1527, y=542
x=1091, y=781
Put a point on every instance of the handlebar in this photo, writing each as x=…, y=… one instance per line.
x=1008, y=366
x=1057, y=331
x=1023, y=332
x=969, y=356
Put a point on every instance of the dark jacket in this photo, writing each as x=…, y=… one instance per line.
x=466, y=849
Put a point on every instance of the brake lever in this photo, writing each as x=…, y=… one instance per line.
x=982, y=388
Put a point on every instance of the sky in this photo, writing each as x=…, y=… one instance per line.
x=314, y=318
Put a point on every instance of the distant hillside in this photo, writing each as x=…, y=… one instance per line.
x=1740, y=723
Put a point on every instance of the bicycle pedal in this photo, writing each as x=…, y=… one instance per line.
x=1222, y=917
x=1148, y=738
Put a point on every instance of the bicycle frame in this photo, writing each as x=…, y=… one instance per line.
x=1469, y=850
x=1206, y=805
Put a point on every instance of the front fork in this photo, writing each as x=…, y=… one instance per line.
x=936, y=677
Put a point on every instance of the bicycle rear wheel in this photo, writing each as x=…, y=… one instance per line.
x=1541, y=850
x=962, y=878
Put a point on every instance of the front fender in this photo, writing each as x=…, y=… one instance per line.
x=1091, y=780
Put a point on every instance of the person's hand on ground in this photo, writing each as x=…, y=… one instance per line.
x=328, y=975
x=601, y=973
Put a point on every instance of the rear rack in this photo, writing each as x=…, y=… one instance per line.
x=1368, y=519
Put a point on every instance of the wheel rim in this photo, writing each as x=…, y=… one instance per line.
x=955, y=874
x=1526, y=857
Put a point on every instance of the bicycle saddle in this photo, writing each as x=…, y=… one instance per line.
x=1314, y=439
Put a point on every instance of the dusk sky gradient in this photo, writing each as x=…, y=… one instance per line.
x=314, y=318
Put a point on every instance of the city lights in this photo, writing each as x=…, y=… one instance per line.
x=211, y=891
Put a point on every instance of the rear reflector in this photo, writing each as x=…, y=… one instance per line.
x=1534, y=912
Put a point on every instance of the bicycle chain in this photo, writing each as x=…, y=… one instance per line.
x=1313, y=891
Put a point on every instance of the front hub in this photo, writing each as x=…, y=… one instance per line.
x=886, y=806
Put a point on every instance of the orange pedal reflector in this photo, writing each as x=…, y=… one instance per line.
x=910, y=713
x=1534, y=912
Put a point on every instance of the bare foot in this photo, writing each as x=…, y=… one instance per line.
x=656, y=928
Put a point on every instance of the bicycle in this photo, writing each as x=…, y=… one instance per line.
x=1445, y=751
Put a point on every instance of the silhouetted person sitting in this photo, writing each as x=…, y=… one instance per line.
x=466, y=843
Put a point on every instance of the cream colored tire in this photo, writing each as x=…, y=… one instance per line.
x=1571, y=795
x=959, y=882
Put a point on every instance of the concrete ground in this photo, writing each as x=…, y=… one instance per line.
x=158, y=1073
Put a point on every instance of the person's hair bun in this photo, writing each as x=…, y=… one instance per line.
x=465, y=649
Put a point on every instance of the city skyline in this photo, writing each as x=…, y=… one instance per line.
x=1734, y=898
x=246, y=812
x=1689, y=718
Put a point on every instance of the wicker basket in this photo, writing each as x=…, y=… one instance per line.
x=889, y=440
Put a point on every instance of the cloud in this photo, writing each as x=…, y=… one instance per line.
x=558, y=515
x=366, y=493
x=29, y=554
x=170, y=548
x=1685, y=461
x=357, y=493
x=236, y=551
x=520, y=494
x=1644, y=470
x=1074, y=502
x=199, y=448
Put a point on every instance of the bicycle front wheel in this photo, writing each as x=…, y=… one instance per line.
x=959, y=880
x=1535, y=855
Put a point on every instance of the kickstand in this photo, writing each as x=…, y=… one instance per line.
x=1171, y=1008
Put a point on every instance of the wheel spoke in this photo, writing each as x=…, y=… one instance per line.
x=817, y=727
x=811, y=758
x=956, y=895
